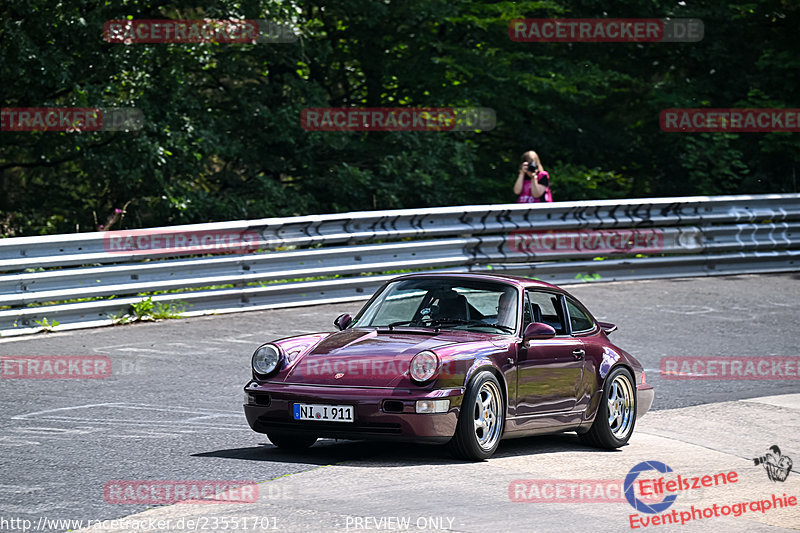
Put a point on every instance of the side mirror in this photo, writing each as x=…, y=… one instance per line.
x=608, y=327
x=342, y=321
x=538, y=331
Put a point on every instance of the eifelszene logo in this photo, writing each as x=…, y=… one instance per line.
x=668, y=487
x=654, y=515
x=630, y=494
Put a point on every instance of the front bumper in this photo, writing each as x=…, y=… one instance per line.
x=644, y=399
x=379, y=413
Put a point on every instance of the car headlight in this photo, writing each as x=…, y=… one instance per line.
x=423, y=366
x=266, y=359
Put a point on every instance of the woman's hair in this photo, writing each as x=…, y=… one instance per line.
x=529, y=156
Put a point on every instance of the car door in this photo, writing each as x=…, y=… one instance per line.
x=583, y=327
x=549, y=371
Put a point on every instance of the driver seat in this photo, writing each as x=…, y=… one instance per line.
x=452, y=305
x=537, y=312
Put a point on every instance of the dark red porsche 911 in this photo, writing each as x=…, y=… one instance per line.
x=462, y=359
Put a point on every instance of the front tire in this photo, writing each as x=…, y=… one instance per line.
x=616, y=415
x=480, y=423
x=291, y=441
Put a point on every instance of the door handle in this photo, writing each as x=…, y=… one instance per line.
x=578, y=354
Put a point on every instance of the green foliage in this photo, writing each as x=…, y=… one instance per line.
x=46, y=325
x=577, y=182
x=222, y=137
x=147, y=309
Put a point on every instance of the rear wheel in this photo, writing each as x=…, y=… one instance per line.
x=616, y=415
x=290, y=441
x=480, y=423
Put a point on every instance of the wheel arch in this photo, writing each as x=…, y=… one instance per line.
x=594, y=403
x=486, y=365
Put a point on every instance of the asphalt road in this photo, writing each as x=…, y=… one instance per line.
x=536, y=485
x=172, y=407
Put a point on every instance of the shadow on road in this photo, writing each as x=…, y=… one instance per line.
x=371, y=454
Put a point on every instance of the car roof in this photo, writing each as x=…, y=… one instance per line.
x=515, y=280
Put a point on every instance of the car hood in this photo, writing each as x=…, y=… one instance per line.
x=361, y=357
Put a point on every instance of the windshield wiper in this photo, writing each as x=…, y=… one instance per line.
x=403, y=323
x=461, y=321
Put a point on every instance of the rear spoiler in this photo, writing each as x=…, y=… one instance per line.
x=608, y=327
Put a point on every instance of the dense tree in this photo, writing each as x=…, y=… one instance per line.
x=222, y=137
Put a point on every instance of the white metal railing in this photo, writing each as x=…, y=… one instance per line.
x=89, y=279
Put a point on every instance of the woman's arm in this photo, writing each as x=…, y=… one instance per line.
x=520, y=178
x=537, y=189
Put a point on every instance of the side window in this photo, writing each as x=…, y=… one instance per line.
x=577, y=318
x=544, y=309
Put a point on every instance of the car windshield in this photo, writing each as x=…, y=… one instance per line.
x=444, y=303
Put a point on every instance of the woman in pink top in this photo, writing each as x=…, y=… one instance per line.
x=529, y=189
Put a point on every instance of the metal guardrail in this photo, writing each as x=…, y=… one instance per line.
x=91, y=279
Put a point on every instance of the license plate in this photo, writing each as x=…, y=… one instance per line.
x=323, y=413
